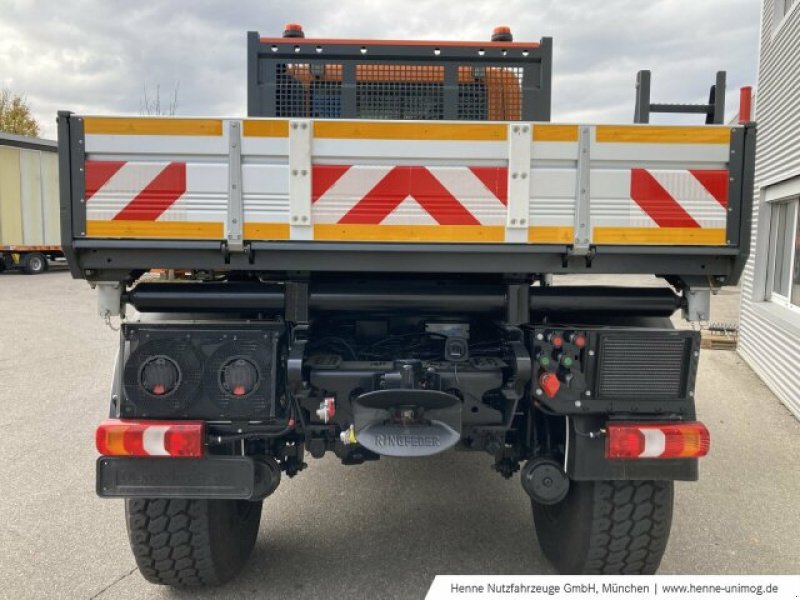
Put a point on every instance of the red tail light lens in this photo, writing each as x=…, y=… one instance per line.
x=656, y=440
x=239, y=377
x=118, y=437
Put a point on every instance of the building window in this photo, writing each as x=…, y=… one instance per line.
x=783, y=282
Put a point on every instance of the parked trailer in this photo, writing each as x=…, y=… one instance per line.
x=29, y=207
x=372, y=251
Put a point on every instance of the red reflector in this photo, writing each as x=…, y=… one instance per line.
x=159, y=389
x=239, y=390
x=656, y=440
x=119, y=437
x=549, y=383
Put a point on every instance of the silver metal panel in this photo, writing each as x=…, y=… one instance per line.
x=519, y=183
x=582, y=228
x=235, y=216
x=300, y=179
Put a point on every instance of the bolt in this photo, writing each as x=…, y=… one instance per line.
x=522, y=221
x=304, y=219
x=539, y=392
x=294, y=218
x=516, y=128
x=577, y=403
x=523, y=175
x=539, y=336
x=294, y=172
x=294, y=125
x=587, y=393
x=304, y=172
x=303, y=125
x=513, y=176
x=513, y=221
x=591, y=352
x=691, y=394
x=525, y=129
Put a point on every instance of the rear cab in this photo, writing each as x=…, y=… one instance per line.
x=371, y=256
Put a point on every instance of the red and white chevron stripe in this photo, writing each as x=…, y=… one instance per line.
x=681, y=198
x=409, y=195
x=139, y=191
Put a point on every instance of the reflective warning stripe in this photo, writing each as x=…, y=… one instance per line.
x=681, y=198
x=139, y=191
x=409, y=195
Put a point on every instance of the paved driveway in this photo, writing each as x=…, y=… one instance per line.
x=382, y=529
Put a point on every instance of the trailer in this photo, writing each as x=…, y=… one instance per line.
x=372, y=252
x=29, y=204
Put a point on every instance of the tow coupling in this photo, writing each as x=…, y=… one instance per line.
x=407, y=422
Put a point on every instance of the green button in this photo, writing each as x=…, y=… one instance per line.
x=544, y=361
x=567, y=361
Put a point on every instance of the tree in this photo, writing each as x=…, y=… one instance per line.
x=15, y=115
x=151, y=102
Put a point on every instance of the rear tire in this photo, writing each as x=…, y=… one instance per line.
x=34, y=263
x=191, y=543
x=607, y=527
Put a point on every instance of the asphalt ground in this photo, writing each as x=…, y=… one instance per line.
x=378, y=530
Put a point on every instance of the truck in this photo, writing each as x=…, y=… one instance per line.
x=29, y=204
x=381, y=258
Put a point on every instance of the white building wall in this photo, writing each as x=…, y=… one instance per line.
x=770, y=334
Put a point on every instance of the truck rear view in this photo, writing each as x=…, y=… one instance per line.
x=370, y=258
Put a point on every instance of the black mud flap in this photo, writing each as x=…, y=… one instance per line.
x=212, y=477
x=407, y=422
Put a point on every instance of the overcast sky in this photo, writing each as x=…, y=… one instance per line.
x=95, y=56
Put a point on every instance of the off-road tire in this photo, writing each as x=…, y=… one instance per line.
x=191, y=543
x=34, y=263
x=607, y=527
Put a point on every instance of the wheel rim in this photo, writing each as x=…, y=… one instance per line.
x=35, y=263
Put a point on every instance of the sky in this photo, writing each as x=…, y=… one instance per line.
x=97, y=56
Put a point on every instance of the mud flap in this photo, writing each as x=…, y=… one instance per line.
x=407, y=422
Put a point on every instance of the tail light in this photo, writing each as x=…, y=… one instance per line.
x=656, y=440
x=119, y=437
x=159, y=376
x=239, y=377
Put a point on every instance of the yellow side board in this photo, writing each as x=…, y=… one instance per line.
x=266, y=231
x=265, y=128
x=189, y=230
x=550, y=235
x=409, y=233
x=151, y=126
x=365, y=130
x=555, y=133
x=661, y=236
x=654, y=134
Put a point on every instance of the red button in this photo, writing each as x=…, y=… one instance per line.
x=550, y=384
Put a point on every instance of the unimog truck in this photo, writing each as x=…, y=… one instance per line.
x=377, y=263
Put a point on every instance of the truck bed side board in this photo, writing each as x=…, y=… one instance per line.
x=555, y=197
